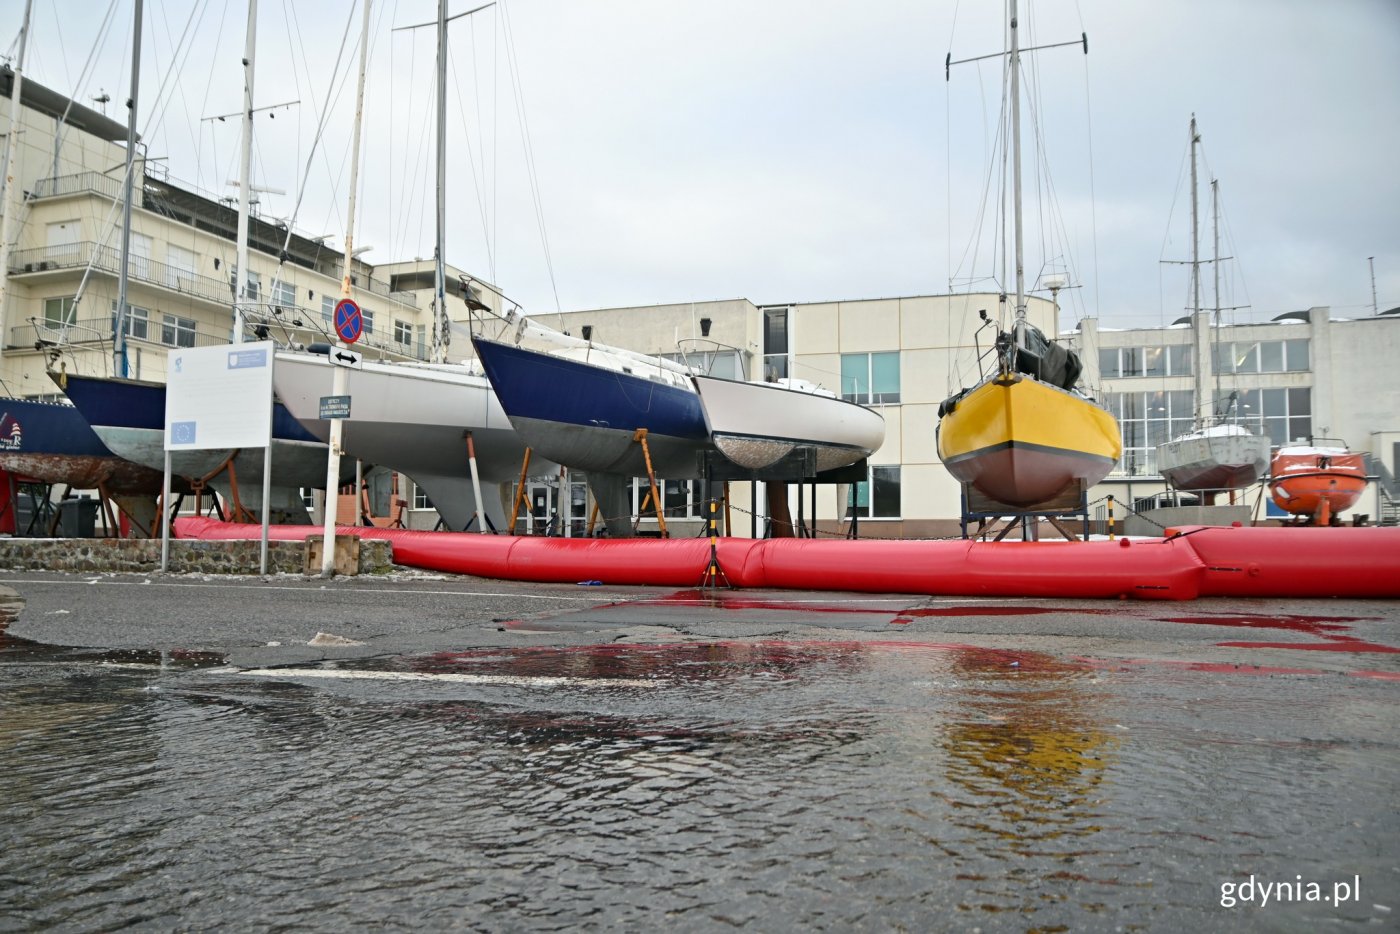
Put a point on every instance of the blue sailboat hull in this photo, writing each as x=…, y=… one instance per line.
x=129, y=418
x=51, y=442
x=586, y=417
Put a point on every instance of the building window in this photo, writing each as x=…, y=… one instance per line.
x=722, y=363
x=870, y=378
x=176, y=331
x=420, y=498
x=1290, y=356
x=877, y=497
x=1169, y=360
x=284, y=294
x=775, y=343
x=1148, y=419
x=328, y=303
x=138, y=322
x=254, y=284
x=681, y=499
x=60, y=312
x=179, y=267
x=403, y=332
x=1285, y=415
x=1296, y=355
x=367, y=320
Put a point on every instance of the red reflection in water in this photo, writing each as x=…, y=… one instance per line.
x=1338, y=644
x=1376, y=675
x=1312, y=625
x=1326, y=628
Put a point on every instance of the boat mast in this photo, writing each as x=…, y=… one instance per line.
x=1215, y=233
x=341, y=375
x=1198, y=333
x=440, y=332
x=240, y=288
x=119, y=361
x=6, y=221
x=1016, y=177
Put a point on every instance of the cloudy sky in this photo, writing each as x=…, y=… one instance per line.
x=795, y=150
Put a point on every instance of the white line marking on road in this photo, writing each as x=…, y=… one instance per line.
x=529, y=681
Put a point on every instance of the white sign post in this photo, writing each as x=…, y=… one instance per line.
x=219, y=398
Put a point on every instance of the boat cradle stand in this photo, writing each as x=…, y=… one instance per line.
x=797, y=466
x=1073, y=503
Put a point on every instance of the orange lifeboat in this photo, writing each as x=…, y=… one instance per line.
x=1317, y=482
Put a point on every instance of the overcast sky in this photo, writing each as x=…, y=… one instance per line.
x=797, y=150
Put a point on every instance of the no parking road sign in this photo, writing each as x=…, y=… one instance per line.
x=349, y=324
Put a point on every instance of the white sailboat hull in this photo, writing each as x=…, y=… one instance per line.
x=757, y=424
x=295, y=465
x=1203, y=461
x=414, y=420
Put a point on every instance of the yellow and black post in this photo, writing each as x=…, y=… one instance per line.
x=714, y=573
x=1110, y=517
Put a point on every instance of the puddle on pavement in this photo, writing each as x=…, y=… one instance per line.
x=873, y=783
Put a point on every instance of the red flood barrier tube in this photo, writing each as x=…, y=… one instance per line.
x=1267, y=561
x=1155, y=569
x=1152, y=570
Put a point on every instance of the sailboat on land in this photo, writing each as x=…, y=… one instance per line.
x=590, y=407
x=1024, y=436
x=1216, y=455
x=129, y=414
x=434, y=422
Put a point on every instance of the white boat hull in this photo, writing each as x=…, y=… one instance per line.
x=295, y=465
x=1203, y=462
x=414, y=420
x=757, y=424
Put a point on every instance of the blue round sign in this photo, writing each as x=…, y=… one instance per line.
x=349, y=324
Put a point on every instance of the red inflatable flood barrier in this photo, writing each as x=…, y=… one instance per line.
x=1191, y=562
x=1265, y=561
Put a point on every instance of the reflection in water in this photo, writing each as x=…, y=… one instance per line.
x=1026, y=758
x=774, y=786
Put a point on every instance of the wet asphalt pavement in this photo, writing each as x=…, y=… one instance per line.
x=418, y=750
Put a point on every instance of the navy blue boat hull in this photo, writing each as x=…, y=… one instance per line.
x=129, y=418
x=51, y=442
x=586, y=417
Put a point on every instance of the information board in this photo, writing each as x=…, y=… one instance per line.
x=219, y=397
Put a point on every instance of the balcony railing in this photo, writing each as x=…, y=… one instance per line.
x=107, y=259
x=286, y=325
x=108, y=187
x=84, y=182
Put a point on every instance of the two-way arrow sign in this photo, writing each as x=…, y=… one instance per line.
x=346, y=358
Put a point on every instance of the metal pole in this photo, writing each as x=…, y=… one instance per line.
x=240, y=286
x=7, y=220
x=440, y=336
x=476, y=485
x=341, y=376
x=1375, y=309
x=119, y=364
x=1016, y=174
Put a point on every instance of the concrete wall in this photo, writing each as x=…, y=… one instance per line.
x=143, y=556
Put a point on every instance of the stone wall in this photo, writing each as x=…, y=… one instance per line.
x=186, y=556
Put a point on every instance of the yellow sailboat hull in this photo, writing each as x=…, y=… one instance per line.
x=1023, y=442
